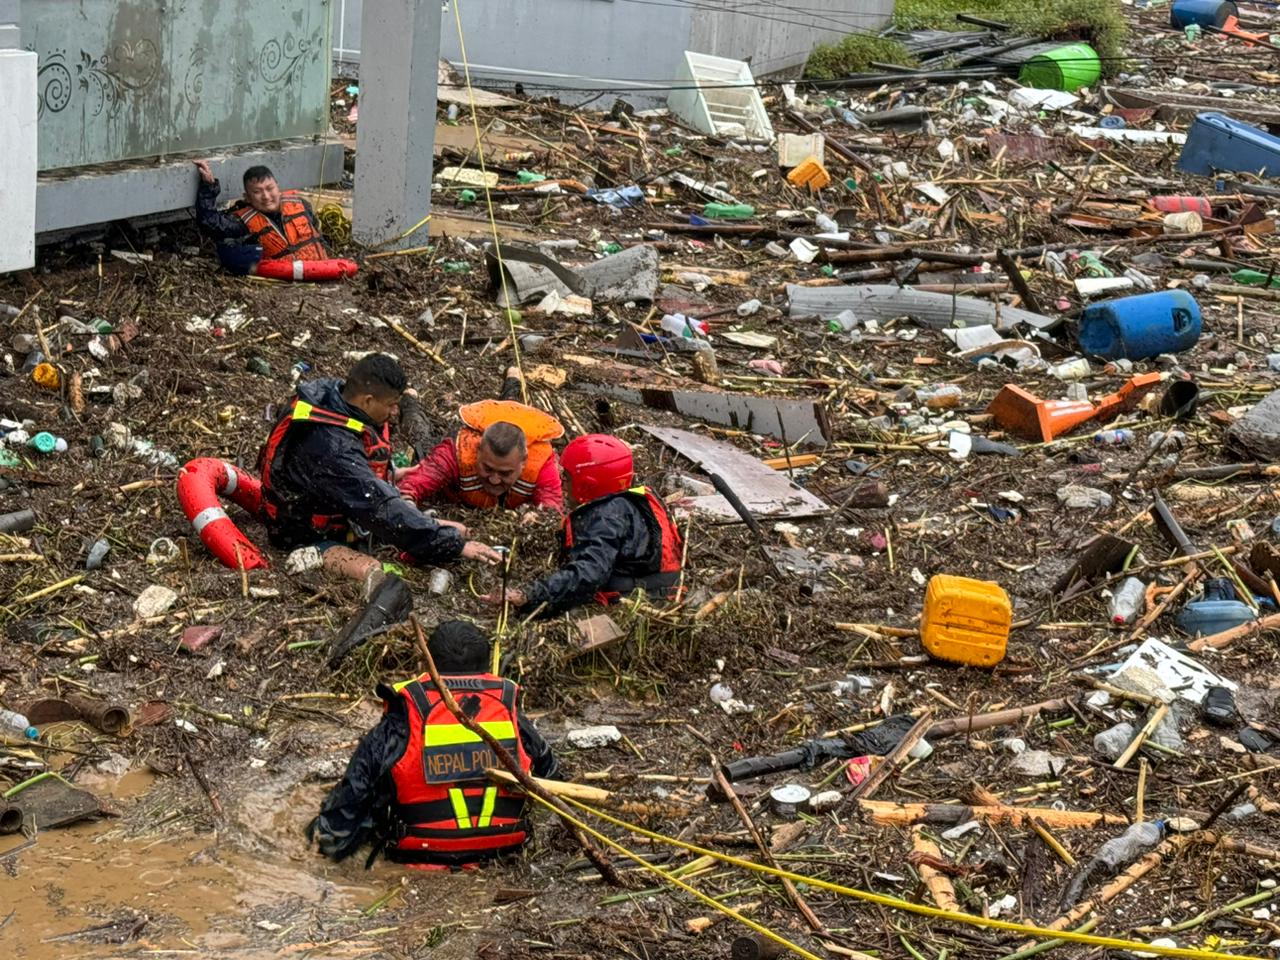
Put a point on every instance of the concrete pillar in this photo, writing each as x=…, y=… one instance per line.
x=18, y=139
x=399, y=52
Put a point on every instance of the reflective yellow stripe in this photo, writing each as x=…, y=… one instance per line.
x=486, y=811
x=449, y=734
x=460, y=811
x=303, y=410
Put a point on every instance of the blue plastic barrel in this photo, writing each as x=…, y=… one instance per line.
x=239, y=258
x=1207, y=13
x=1141, y=327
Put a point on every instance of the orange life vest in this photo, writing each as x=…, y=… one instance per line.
x=539, y=430
x=445, y=811
x=662, y=583
x=294, y=239
x=377, y=450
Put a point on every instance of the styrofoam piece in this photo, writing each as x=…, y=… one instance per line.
x=795, y=148
x=718, y=96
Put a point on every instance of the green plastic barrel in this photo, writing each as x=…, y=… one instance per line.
x=1067, y=68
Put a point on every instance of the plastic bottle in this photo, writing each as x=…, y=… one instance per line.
x=750, y=308
x=297, y=370
x=1130, y=845
x=11, y=722
x=729, y=211
x=845, y=321
x=1092, y=266
x=1127, y=601
x=44, y=442
x=1114, y=438
x=825, y=224
x=452, y=113
x=944, y=396
x=678, y=325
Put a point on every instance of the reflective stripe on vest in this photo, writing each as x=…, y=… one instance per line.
x=463, y=816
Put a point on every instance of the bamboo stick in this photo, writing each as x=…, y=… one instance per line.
x=889, y=813
x=939, y=884
x=1152, y=722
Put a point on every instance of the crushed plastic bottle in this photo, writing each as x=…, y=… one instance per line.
x=749, y=309
x=825, y=224
x=1114, y=438
x=678, y=325
x=97, y=553
x=852, y=686
x=846, y=321
x=1113, y=742
x=12, y=722
x=1127, y=601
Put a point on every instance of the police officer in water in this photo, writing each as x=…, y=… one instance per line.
x=416, y=787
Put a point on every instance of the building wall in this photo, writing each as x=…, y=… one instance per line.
x=614, y=41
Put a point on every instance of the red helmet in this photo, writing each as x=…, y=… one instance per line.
x=597, y=465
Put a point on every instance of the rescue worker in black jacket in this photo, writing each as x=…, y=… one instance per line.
x=325, y=470
x=618, y=539
x=279, y=221
x=416, y=785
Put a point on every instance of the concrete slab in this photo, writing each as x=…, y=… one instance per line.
x=81, y=197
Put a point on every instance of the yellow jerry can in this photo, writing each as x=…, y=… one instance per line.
x=966, y=621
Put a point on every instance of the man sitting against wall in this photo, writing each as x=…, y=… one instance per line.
x=280, y=222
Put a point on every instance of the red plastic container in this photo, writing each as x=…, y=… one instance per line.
x=1167, y=203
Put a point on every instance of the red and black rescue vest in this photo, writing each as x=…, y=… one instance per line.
x=293, y=239
x=377, y=450
x=662, y=583
x=445, y=811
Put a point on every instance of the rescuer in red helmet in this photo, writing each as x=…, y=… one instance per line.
x=619, y=538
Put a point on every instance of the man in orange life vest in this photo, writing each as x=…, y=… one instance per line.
x=280, y=222
x=502, y=457
x=415, y=785
x=619, y=539
x=325, y=469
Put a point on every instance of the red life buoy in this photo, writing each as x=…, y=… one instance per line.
x=200, y=484
x=313, y=270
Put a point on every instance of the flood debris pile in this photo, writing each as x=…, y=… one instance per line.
x=966, y=395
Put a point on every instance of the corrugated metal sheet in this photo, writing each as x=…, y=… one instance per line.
x=139, y=78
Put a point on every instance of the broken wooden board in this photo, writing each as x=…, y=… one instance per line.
x=764, y=491
x=596, y=633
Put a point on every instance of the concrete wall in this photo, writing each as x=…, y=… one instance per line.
x=627, y=42
x=17, y=145
x=123, y=79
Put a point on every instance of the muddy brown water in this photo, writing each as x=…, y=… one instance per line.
x=252, y=889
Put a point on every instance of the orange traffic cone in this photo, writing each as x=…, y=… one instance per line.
x=1026, y=415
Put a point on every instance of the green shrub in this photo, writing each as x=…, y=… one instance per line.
x=1098, y=22
x=854, y=54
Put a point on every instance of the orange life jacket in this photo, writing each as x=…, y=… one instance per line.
x=294, y=239
x=377, y=450
x=445, y=811
x=539, y=430
x=661, y=584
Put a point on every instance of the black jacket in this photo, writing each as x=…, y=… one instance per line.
x=358, y=808
x=221, y=225
x=612, y=537
x=322, y=469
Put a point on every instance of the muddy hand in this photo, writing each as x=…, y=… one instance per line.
x=514, y=597
x=205, y=173
x=475, y=550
